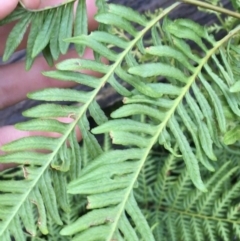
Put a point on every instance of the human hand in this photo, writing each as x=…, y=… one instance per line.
x=16, y=82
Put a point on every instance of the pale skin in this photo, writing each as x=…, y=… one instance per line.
x=33, y=80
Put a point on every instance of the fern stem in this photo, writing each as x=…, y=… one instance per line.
x=212, y=7
x=201, y=216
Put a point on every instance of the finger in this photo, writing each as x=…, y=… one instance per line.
x=6, y=29
x=41, y=4
x=7, y=6
x=16, y=82
x=9, y=133
x=31, y=4
x=6, y=166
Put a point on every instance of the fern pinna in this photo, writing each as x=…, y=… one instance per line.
x=174, y=129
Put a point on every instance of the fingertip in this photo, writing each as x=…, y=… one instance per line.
x=92, y=10
x=6, y=166
x=7, y=7
x=31, y=4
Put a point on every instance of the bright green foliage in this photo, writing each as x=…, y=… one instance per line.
x=174, y=174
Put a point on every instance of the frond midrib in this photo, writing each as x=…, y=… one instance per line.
x=201, y=216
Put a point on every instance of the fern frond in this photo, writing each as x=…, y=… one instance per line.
x=185, y=73
x=48, y=28
x=115, y=178
x=38, y=194
x=191, y=214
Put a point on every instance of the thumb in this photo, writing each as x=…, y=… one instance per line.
x=40, y=4
x=7, y=7
x=31, y=4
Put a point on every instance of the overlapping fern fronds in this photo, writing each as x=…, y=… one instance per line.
x=179, y=212
x=180, y=102
x=182, y=108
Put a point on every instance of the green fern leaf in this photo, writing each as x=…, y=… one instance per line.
x=16, y=36
x=43, y=36
x=49, y=27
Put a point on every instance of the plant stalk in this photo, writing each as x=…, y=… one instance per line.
x=212, y=7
